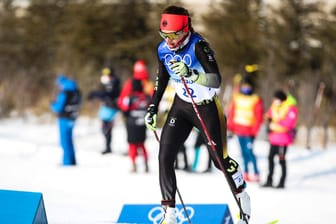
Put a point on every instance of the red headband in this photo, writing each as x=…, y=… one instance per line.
x=174, y=22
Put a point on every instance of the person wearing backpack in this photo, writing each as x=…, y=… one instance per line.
x=134, y=107
x=66, y=107
x=107, y=95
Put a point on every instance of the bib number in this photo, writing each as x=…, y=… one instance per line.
x=192, y=93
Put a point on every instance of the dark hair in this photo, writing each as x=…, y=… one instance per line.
x=281, y=95
x=248, y=80
x=177, y=10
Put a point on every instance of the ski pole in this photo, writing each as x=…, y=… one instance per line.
x=213, y=147
x=178, y=192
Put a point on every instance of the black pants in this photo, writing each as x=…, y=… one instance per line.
x=180, y=121
x=107, y=132
x=281, y=152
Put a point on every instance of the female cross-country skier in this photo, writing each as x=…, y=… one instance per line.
x=184, y=53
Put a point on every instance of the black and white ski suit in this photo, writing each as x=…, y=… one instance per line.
x=199, y=58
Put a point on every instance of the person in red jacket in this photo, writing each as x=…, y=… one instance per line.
x=244, y=120
x=140, y=72
x=134, y=108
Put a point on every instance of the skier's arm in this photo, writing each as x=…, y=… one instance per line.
x=160, y=85
x=205, y=55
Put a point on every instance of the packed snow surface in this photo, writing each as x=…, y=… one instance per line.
x=95, y=190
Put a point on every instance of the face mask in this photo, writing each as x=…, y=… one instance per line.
x=246, y=90
x=104, y=79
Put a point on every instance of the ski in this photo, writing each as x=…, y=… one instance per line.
x=275, y=221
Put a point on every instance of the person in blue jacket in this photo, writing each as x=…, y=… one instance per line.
x=66, y=106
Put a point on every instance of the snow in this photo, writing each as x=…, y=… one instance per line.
x=95, y=190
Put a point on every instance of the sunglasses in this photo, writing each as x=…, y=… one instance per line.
x=172, y=35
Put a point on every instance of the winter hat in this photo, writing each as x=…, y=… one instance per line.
x=60, y=79
x=174, y=22
x=107, y=74
x=279, y=94
x=107, y=71
x=251, y=68
x=140, y=70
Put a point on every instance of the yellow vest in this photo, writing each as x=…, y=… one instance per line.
x=279, y=112
x=244, y=109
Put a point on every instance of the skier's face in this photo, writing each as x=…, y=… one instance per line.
x=174, y=29
x=173, y=39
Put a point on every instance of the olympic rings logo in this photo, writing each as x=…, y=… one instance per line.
x=186, y=59
x=155, y=215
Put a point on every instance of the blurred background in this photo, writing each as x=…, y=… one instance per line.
x=291, y=44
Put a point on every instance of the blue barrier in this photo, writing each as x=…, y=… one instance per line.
x=198, y=214
x=21, y=207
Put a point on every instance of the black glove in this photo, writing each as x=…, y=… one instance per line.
x=150, y=118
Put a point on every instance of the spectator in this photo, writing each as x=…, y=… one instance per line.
x=108, y=95
x=134, y=107
x=245, y=117
x=281, y=118
x=140, y=72
x=66, y=106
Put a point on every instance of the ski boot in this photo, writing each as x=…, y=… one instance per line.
x=169, y=216
x=244, y=201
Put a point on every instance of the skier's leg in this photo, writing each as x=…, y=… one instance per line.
x=228, y=166
x=217, y=133
x=175, y=131
x=240, y=185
